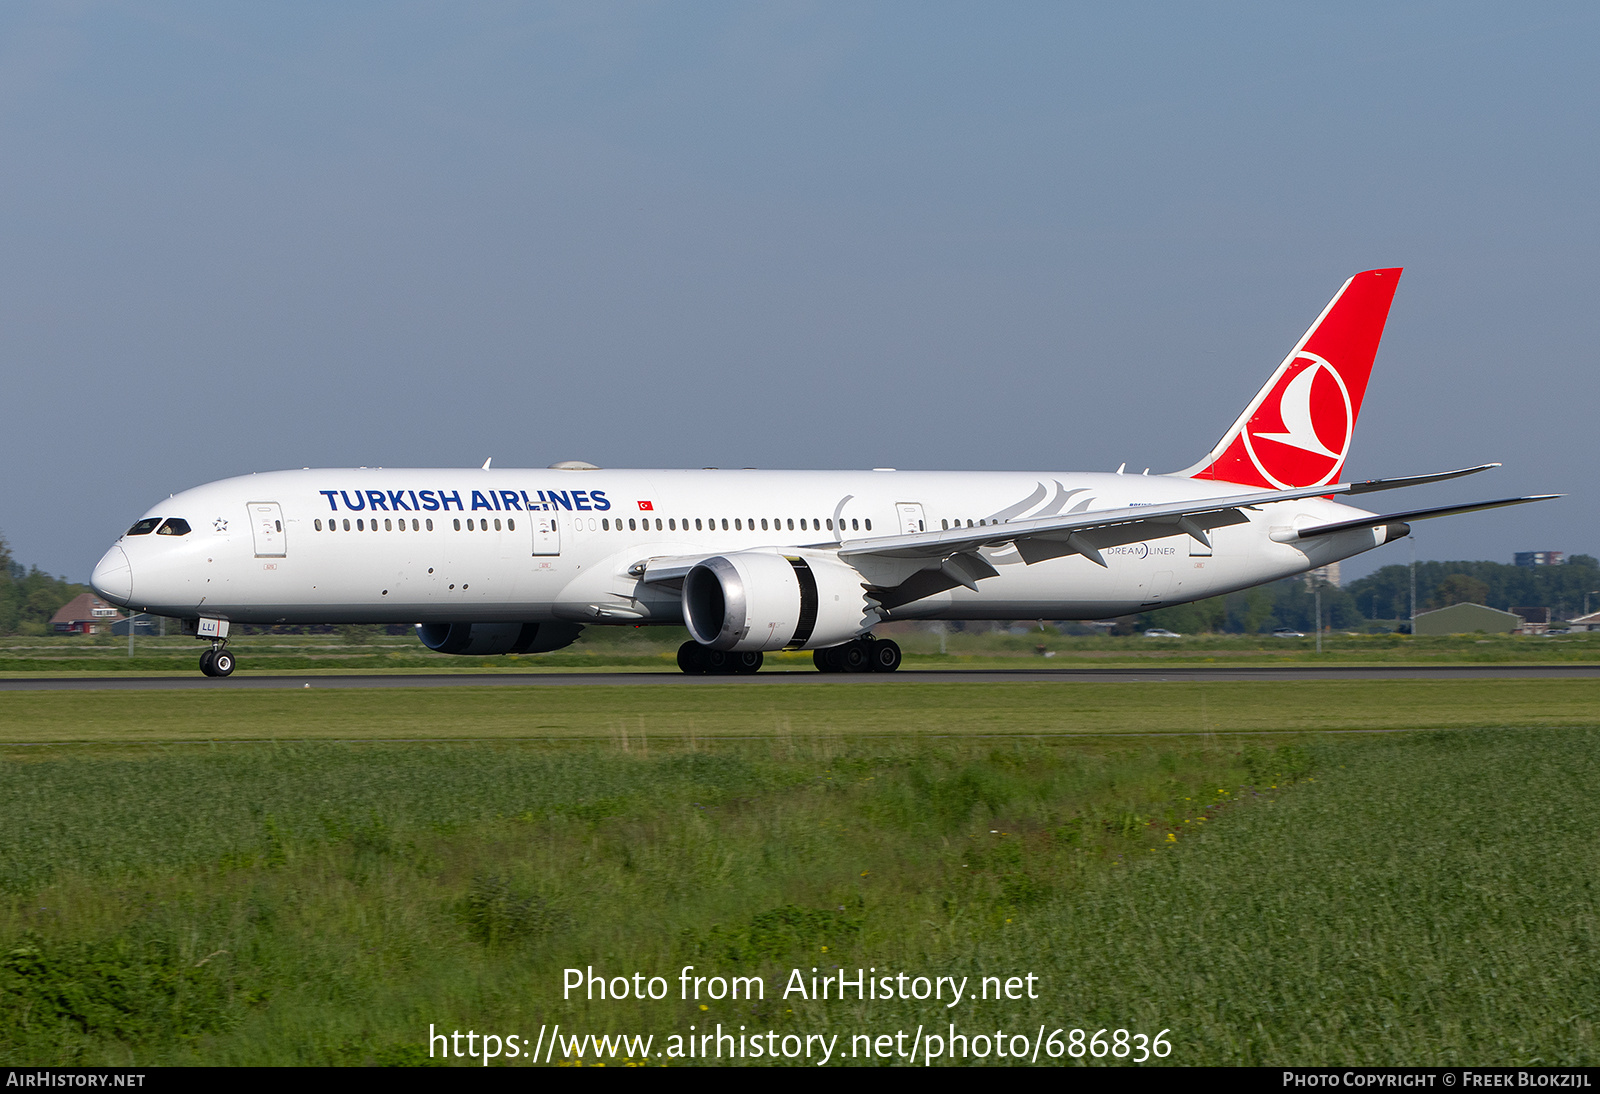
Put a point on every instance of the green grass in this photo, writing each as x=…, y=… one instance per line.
x=892, y=706
x=654, y=648
x=1404, y=898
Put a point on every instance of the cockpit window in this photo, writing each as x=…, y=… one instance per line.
x=144, y=527
x=175, y=526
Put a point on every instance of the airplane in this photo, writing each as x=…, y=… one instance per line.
x=488, y=561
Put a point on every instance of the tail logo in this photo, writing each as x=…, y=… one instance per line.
x=1300, y=434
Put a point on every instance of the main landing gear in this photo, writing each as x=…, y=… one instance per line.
x=217, y=661
x=867, y=654
x=698, y=660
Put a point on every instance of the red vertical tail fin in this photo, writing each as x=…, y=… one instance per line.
x=1297, y=430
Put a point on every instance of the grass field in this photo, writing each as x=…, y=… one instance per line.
x=655, y=648
x=1283, y=897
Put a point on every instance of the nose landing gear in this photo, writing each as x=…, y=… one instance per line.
x=217, y=661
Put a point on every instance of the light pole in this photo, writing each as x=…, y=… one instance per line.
x=1317, y=586
x=1413, y=539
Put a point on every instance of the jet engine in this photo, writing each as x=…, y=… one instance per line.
x=475, y=639
x=754, y=600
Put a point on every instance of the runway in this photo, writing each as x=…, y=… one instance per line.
x=1132, y=674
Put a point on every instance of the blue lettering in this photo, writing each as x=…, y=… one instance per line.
x=429, y=502
x=600, y=501
x=496, y=499
x=479, y=501
x=397, y=498
x=413, y=494
x=510, y=498
x=559, y=497
x=352, y=506
x=526, y=502
x=452, y=496
x=378, y=502
x=580, y=499
x=329, y=495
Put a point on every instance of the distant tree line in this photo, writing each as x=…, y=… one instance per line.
x=29, y=596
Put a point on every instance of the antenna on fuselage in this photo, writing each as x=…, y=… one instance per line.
x=487, y=462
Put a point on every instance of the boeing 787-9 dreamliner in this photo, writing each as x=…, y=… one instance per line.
x=494, y=561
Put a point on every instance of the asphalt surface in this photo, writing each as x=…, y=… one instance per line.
x=1134, y=674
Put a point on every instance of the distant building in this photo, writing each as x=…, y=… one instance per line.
x=1534, y=620
x=84, y=614
x=1466, y=619
x=1328, y=575
x=1590, y=622
x=142, y=625
x=1540, y=558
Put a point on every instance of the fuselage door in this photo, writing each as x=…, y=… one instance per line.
x=911, y=519
x=546, y=534
x=266, y=524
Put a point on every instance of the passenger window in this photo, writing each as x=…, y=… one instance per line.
x=763, y=524
x=496, y=524
x=457, y=523
x=483, y=526
x=176, y=526
x=387, y=526
x=144, y=527
x=869, y=524
x=318, y=523
x=511, y=525
x=430, y=524
x=736, y=527
x=946, y=525
x=830, y=524
x=346, y=524
x=277, y=523
x=855, y=525
x=359, y=526
x=672, y=524
x=471, y=527
x=697, y=524
x=415, y=527
x=724, y=524
x=658, y=524
x=631, y=526
x=605, y=524
x=791, y=524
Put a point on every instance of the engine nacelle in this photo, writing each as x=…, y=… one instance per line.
x=755, y=600
x=484, y=639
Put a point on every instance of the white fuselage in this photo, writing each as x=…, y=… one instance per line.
x=452, y=545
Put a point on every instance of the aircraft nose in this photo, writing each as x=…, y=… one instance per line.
x=113, y=577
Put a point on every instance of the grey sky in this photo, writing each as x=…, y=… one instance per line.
x=244, y=237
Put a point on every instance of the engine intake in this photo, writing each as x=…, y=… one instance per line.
x=485, y=639
x=754, y=600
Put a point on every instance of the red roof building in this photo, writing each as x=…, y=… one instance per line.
x=84, y=614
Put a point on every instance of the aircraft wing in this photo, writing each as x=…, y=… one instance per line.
x=1088, y=532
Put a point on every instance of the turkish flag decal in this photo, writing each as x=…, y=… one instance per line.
x=647, y=507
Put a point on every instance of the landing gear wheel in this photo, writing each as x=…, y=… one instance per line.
x=884, y=655
x=692, y=659
x=827, y=660
x=747, y=664
x=718, y=662
x=853, y=657
x=222, y=663
x=206, y=660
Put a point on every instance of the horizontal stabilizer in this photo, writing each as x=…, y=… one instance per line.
x=1408, y=517
x=1366, y=486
